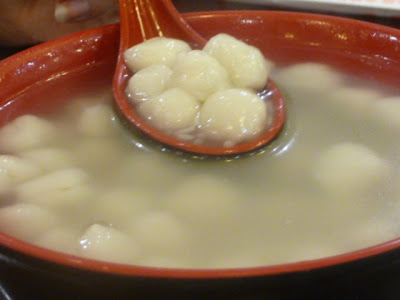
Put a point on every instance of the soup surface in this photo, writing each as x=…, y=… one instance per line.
x=80, y=183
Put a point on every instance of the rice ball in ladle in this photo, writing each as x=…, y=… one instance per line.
x=208, y=97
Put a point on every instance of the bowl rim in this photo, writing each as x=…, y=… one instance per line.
x=76, y=262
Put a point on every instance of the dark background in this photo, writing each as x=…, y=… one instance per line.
x=204, y=5
x=383, y=283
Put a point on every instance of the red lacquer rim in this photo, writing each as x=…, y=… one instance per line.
x=9, y=65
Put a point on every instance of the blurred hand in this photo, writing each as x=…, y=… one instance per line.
x=25, y=22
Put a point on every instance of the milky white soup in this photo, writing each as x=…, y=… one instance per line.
x=77, y=182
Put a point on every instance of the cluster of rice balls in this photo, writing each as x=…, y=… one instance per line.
x=207, y=96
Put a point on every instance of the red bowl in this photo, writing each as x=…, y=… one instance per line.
x=40, y=79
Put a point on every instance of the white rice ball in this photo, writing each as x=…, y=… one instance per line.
x=245, y=64
x=108, y=244
x=205, y=200
x=173, y=110
x=26, y=132
x=73, y=109
x=160, y=232
x=19, y=169
x=233, y=116
x=158, y=50
x=6, y=185
x=26, y=221
x=59, y=189
x=50, y=159
x=349, y=168
x=148, y=83
x=199, y=74
x=313, y=78
x=355, y=102
x=61, y=239
x=96, y=121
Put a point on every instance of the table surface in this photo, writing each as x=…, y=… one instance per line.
x=384, y=284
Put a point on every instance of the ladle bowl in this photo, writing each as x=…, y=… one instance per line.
x=145, y=19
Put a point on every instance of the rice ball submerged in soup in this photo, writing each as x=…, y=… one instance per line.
x=325, y=186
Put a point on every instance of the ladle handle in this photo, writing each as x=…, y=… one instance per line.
x=154, y=18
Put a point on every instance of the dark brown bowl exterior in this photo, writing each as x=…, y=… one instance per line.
x=40, y=79
x=26, y=277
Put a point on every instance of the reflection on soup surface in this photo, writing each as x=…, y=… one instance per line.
x=78, y=182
